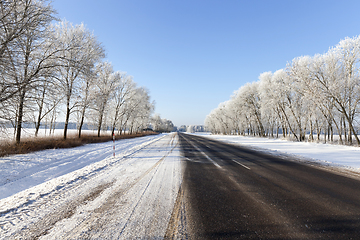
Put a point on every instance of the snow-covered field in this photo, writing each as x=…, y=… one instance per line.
x=85, y=192
x=332, y=155
x=7, y=134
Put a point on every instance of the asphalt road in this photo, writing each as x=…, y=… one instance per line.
x=231, y=192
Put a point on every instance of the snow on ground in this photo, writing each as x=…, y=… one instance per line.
x=7, y=134
x=86, y=193
x=327, y=154
x=22, y=171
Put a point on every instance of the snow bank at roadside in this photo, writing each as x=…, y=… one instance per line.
x=333, y=155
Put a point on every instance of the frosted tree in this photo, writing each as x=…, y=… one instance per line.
x=18, y=21
x=249, y=95
x=336, y=86
x=81, y=51
x=220, y=120
x=156, y=122
x=322, y=106
x=268, y=105
x=235, y=115
x=86, y=95
x=161, y=125
x=139, y=108
x=280, y=92
x=33, y=60
x=209, y=123
x=124, y=91
x=105, y=84
x=299, y=71
x=346, y=89
x=168, y=125
x=47, y=98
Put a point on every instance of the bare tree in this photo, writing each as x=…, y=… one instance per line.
x=19, y=20
x=124, y=91
x=47, y=98
x=86, y=95
x=81, y=51
x=31, y=62
x=105, y=84
x=137, y=111
x=161, y=125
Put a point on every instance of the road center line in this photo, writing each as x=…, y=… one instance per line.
x=217, y=165
x=207, y=157
x=241, y=164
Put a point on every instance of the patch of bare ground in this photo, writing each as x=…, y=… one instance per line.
x=37, y=144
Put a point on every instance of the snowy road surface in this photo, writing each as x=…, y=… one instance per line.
x=86, y=193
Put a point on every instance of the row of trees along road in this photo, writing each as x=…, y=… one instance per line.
x=311, y=96
x=161, y=124
x=47, y=66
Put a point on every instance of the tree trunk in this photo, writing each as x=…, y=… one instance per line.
x=81, y=121
x=53, y=121
x=121, y=127
x=351, y=127
x=99, y=125
x=37, y=126
x=311, y=136
x=345, y=135
x=113, y=130
x=288, y=122
x=318, y=130
x=350, y=135
x=20, y=116
x=67, y=118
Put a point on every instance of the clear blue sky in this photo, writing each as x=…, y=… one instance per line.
x=193, y=54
